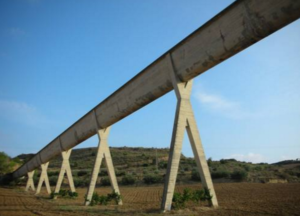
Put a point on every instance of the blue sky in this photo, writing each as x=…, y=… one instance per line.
x=59, y=59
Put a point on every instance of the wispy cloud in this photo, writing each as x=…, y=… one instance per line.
x=221, y=105
x=21, y=112
x=250, y=157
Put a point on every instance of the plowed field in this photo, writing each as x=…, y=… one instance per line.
x=240, y=199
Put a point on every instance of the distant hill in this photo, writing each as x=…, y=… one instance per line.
x=148, y=166
x=288, y=162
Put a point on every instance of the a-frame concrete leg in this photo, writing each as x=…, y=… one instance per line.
x=30, y=183
x=65, y=168
x=184, y=119
x=44, y=178
x=103, y=152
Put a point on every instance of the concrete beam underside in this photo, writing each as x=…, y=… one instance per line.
x=184, y=119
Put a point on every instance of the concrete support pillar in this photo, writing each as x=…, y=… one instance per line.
x=44, y=178
x=184, y=119
x=30, y=183
x=103, y=152
x=65, y=168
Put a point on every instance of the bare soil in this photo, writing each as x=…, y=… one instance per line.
x=236, y=199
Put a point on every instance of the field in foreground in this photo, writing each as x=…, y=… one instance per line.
x=242, y=199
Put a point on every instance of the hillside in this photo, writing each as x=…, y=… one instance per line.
x=148, y=166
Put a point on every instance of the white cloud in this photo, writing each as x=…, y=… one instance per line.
x=221, y=105
x=250, y=157
x=216, y=102
x=21, y=112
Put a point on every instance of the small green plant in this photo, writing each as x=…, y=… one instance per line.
x=195, y=175
x=179, y=200
x=120, y=173
x=239, y=175
x=105, y=181
x=220, y=174
x=128, y=180
x=104, y=200
x=114, y=196
x=82, y=173
x=152, y=179
x=103, y=173
x=64, y=193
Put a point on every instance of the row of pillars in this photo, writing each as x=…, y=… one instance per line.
x=184, y=120
x=65, y=168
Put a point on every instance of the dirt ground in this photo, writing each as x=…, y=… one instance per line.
x=236, y=199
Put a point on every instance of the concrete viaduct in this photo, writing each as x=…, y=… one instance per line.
x=237, y=27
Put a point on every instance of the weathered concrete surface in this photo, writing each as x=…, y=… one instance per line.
x=44, y=178
x=237, y=27
x=103, y=152
x=184, y=119
x=30, y=182
x=65, y=168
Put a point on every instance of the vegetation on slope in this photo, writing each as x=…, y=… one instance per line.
x=146, y=166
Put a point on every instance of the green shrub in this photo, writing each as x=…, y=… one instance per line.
x=162, y=165
x=64, y=193
x=6, y=165
x=246, y=167
x=82, y=173
x=79, y=182
x=239, y=175
x=152, y=179
x=128, y=180
x=179, y=200
x=74, y=164
x=209, y=162
x=53, y=173
x=222, y=161
x=103, y=173
x=220, y=174
x=195, y=175
x=257, y=168
x=120, y=173
x=53, y=180
x=105, y=181
x=104, y=200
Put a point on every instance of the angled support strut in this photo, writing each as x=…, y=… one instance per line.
x=103, y=152
x=44, y=178
x=184, y=119
x=30, y=183
x=65, y=168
